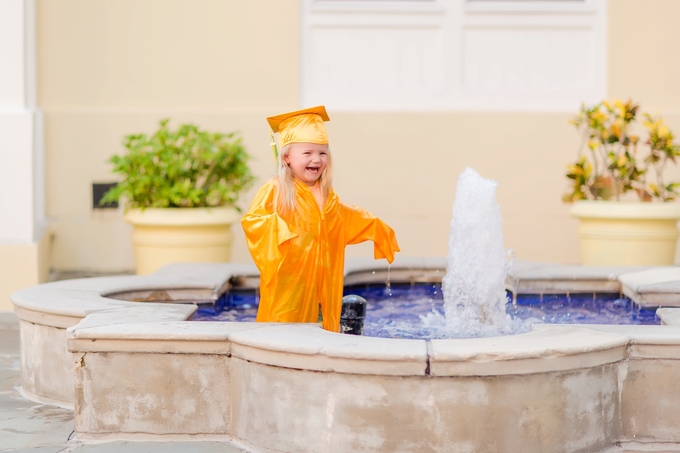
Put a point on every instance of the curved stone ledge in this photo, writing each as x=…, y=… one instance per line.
x=47, y=319
x=548, y=348
x=311, y=348
x=308, y=347
x=582, y=387
x=647, y=342
x=158, y=337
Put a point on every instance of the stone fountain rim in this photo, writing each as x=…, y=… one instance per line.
x=96, y=323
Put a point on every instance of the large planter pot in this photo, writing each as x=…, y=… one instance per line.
x=180, y=235
x=627, y=233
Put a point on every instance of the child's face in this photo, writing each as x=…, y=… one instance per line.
x=307, y=161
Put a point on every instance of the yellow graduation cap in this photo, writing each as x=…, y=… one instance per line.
x=300, y=126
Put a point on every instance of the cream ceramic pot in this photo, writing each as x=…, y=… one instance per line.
x=181, y=235
x=627, y=233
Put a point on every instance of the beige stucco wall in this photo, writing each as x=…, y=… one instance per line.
x=109, y=68
x=128, y=55
x=23, y=265
x=641, y=64
x=112, y=68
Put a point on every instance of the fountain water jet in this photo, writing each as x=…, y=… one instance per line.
x=477, y=265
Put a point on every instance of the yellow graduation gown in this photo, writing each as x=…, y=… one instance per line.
x=301, y=254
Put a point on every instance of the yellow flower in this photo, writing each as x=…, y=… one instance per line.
x=619, y=105
x=652, y=125
x=622, y=160
x=574, y=170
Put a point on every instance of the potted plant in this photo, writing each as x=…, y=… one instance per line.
x=179, y=188
x=620, y=195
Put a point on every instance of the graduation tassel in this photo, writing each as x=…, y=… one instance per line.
x=274, y=148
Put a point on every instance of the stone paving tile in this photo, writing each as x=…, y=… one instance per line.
x=25, y=426
x=158, y=447
x=12, y=401
x=9, y=318
x=9, y=337
x=33, y=426
x=9, y=373
x=50, y=449
x=9, y=341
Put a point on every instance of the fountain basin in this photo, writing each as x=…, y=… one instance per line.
x=140, y=370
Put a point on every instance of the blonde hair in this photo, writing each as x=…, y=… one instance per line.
x=286, y=185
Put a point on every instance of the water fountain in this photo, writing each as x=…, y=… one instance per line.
x=477, y=265
x=141, y=370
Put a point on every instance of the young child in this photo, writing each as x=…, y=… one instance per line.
x=297, y=228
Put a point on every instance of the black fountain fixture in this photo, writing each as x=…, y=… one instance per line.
x=352, y=315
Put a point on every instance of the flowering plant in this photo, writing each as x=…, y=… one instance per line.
x=609, y=163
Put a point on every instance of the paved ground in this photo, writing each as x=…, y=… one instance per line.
x=30, y=427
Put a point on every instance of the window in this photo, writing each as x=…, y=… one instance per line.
x=453, y=54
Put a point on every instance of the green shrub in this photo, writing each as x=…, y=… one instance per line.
x=181, y=168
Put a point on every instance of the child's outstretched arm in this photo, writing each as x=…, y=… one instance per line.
x=360, y=225
x=267, y=234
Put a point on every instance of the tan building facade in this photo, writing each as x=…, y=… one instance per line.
x=101, y=70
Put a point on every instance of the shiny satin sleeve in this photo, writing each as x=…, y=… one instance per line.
x=267, y=234
x=361, y=226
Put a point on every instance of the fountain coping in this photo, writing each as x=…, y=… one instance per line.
x=60, y=303
x=525, y=277
x=552, y=348
x=98, y=323
x=646, y=286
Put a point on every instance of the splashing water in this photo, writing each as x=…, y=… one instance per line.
x=477, y=264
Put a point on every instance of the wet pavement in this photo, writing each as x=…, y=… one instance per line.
x=29, y=427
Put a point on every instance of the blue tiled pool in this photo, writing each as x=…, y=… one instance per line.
x=396, y=311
